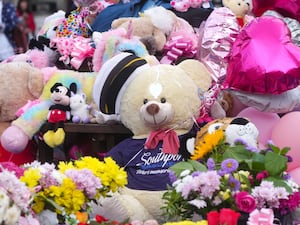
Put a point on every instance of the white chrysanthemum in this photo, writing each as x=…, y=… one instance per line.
x=198, y=203
x=4, y=203
x=58, y=176
x=48, y=217
x=12, y=215
x=185, y=173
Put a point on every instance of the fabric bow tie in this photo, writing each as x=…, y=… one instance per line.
x=170, y=141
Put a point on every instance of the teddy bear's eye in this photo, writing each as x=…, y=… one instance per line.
x=163, y=100
x=145, y=101
x=239, y=4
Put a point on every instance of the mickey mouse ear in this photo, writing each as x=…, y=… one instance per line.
x=113, y=79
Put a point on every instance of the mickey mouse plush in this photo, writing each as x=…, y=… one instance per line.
x=59, y=113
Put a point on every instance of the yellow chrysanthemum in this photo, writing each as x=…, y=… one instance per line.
x=31, y=177
x=210, y=141
x=90, y=163
x=68, y=196
x=187, y=222
x=108, y=171
x=38, y=205
x=63, y=166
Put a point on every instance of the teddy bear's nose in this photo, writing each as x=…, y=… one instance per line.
x=152, y=109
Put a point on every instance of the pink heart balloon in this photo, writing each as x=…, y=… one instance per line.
x=287, y=8
x=263, y=58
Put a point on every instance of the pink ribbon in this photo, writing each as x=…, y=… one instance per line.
x=209, y=97
x=170, y=141
x=261, y=217
x=73, y=50
x=82, y=49
x=178, y=46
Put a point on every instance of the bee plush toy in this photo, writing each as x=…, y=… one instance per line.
x=58, y=114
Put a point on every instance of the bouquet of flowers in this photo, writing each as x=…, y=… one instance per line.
x=238, y=177
x=15, y=198
x=63, y=194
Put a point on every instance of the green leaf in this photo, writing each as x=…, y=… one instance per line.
x=285, y=150
x=279, y=182
x=275, y=149
x=238, y=153
x=197, y=165
x=181, y=166
x=258, y=162
x=275, y=164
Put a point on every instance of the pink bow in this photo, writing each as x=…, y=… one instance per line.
x=178, y=46
x=209, y=99
x=261, y=217
x=170, y=141
x=73, y=50
x=82, y=49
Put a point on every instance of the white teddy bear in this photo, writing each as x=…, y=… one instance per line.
x=159, y=104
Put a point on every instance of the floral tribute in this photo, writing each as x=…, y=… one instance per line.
x=62, y=194
x=239, y=178
x=15, y=198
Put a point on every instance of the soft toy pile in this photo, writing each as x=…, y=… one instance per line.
x=160, y=77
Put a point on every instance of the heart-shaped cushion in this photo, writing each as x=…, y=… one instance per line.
x=263, y=59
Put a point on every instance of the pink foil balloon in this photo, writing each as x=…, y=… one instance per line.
x=264, y=122
x=286, y=134
x=288, y=8
x=295, y=174
x=263, y=59
x=218, y=35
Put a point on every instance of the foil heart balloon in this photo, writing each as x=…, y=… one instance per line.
x=288, y=8
x=263, y=59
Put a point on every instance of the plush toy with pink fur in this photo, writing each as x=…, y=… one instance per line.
x=184, y=5
x=35, y=57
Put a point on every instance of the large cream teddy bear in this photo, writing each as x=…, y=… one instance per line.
x=20, y=82
x=159, y=104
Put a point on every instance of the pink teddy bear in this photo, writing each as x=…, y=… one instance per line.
x=184, y=5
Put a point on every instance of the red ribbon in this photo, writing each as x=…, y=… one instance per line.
x=170, y=141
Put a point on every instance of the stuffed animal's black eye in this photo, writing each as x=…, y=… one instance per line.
x=145, y=101
x=239, y=4
x=163, y=100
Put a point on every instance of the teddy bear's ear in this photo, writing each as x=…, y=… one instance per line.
x=118, y=22
x=198, y=72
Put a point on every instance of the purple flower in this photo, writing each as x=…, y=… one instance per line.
x=195, y=174
x=233, y=183
x=290, y=159
x=172, y=176
x=229, y=165
x=211, y=164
